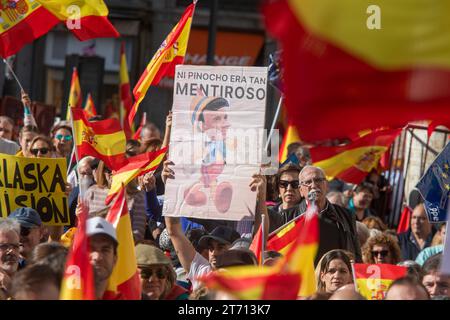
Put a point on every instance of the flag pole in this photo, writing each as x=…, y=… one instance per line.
x=14, y=74
x=263, y=238
x=274, y=122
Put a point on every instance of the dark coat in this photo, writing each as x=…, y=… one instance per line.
x=337, y=228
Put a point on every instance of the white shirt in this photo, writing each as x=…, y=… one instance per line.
x=199, y=267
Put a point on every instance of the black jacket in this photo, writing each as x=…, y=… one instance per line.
x=337, y=228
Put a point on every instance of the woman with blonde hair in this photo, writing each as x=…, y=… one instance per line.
x=381, y=248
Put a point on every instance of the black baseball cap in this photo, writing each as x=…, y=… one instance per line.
x=222, y=234
x=27, y=217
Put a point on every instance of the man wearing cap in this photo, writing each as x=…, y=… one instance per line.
x=217, y=242
x=103, y=255
x=157, y=275
x=31, y=231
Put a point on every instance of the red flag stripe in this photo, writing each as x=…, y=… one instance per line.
x=108, y=126
x=95, y=27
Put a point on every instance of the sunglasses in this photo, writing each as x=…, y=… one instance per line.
x=24, y=231
x=7, y=246
x=147, y=273
x=383, y=253
x=35, y=152
x=284, y=184
x=65, y=137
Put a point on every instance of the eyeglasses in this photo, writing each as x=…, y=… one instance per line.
x=309, y=183
x=67, y=137
x=147, y=273
x=8, y=246
x=24, y=231
x=383, y=253
x=42, y=150
x=284, y=184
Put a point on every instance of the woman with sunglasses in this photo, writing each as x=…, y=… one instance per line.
x=40, y=147
x=63, y=140
x=157, y=276
x=381, y=248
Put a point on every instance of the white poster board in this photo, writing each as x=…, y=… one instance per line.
x=216, y=141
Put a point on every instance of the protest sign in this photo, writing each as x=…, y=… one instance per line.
x=216, y=141
x=38, y=183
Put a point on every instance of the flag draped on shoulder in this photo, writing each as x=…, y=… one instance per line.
x=126, y=100
x=78, y=278
x=345, y=71
x=89, y=20
x=75, y=98
x=354, y=161
x=372, y=280
x=104, y=139
x=170, y=53
x=134, y=167
x=89, y=108
x=124, y=277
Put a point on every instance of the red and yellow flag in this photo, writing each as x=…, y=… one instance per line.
x=89, y=20
x=405, y=220
x=170, y=53
x=137, y=134
x=136, y=166
x=78, y=279
x=125, y=277
x=22, y=21
x=354, y=65
x=75, y=98
x=126, y=101
x=354, y=161
x=290, y=136
x=373, y=280
x=291, y=277
x=89, y=108
x=257, y=244
x=104, y=139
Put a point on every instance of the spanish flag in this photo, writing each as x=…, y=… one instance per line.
x=253, y=283
x=124, y=277
x=126, y=101
x=170, y=53
x=298, y=241
x=22, y=21
x=78, y=279
x=351, y=65
x=104, y=139
x=89, y=108
x=136, y=166
x=354, y=161
x=373, y=280
x=290, y=136
x=75, y=98
x=90, y=19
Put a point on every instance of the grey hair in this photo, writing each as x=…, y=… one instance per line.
x=309, y=167
x=85, y=159
x=9, y=225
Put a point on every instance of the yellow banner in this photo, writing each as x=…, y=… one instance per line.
x=35, y=183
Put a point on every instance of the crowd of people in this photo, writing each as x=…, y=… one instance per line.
x=172, y=253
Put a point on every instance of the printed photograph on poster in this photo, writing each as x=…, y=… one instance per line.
x=216, y=142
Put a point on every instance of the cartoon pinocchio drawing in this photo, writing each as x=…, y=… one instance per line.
x=209, y=116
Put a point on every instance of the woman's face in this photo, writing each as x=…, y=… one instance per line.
x=288, y=189
x=154, y=281
x=381, y=254
x=336, y=276
x=40, y=149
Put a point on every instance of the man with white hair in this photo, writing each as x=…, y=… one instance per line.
x=9, y=253
x=337, y=225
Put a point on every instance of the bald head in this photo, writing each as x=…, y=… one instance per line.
x=407, y=289
x=346, y=292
